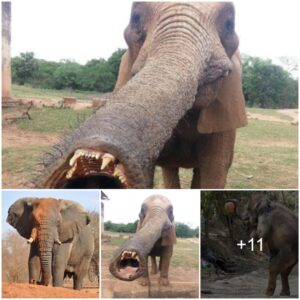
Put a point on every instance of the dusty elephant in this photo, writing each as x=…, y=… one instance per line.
x=278, y=227
x=177, y=103
x=61, y=238
x=155, y=236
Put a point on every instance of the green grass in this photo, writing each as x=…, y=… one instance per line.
x=55, y=120
x=19, y=165
x=20, y=91
x=185, y=252
x=265, y=151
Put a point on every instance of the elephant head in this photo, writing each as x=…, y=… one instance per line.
x=180, y=56
x=156, y=226
x=52, y=220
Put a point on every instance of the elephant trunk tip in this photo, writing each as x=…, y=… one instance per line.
x=128, y=265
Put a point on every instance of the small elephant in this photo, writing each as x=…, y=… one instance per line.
x=60, y=236
x=155, y=237
x=278, y=227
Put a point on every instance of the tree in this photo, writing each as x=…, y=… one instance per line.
x=114, y=61
x=23, y=68
x=267, y=85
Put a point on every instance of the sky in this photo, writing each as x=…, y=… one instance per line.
x=89, y=199
x=124, y=205
x=84, y=30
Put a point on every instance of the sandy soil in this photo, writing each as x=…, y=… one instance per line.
x=249, y=285
x=292, y=113
x=22, y=290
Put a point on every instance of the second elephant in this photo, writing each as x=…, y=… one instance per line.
x=155, y=237
x=61, y=237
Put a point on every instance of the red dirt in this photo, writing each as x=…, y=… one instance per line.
x=24, y=290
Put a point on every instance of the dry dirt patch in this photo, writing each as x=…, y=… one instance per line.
x=13, y=137
x=22, y=290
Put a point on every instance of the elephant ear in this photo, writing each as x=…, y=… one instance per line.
x=74, y=220
x=227, y=111
x=170, y=238
x=20, y=216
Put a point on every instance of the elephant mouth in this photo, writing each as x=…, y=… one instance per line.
x=89, y=168
x=127, y=266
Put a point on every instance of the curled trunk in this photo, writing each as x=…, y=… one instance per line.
x=130, y=261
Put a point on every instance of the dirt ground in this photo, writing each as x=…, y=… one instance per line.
x=292, y=113
x=248, y=285
x=23, y=290
x=183, y=284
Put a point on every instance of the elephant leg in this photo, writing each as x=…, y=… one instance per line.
x=153, y=265
x=81, y=272
x=215, y=157
x=60, y=258
x=285, y=289
x=165, y=263
x=277, y=264
x=171, y=177
x=34, y=265
x=144, y=280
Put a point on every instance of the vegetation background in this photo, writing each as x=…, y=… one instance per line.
x=265, y=84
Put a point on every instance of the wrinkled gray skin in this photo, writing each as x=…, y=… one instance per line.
x=177, y=102
x=155, y=237
x=52, y=219
x=278, y=227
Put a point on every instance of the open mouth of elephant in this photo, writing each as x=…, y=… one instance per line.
x=127, y=266
x=89, y=168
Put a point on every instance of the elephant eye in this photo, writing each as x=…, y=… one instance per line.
x=229, y=25
x=135, y=19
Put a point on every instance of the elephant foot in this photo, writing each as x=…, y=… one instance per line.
x=163, y=281
x=269, y=292
x=33, y=281
x=144, y=281
x=153, y=272
x=285, y=293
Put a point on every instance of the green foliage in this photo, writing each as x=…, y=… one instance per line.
x=23, y=68
x=182, y=230
x=120, y=227
x=267, y=85
x=96, y=75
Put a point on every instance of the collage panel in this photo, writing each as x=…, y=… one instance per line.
x=150, y=244
x=249, y=244
x=50, y=239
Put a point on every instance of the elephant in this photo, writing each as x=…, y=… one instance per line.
x=278, y=227
x=60, y=236
x=154, y=237
x=177, y=102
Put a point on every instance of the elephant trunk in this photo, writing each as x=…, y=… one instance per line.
x=118, y=145
x=130, y=261
x=45, y=245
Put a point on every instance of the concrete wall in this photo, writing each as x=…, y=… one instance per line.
x=6, y=60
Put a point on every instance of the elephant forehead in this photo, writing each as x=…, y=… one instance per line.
x=157, y=200
x=44, y=205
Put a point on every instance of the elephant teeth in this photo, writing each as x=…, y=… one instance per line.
x=120, y=173
x=106, y=160
x=133, y=254
x=71, y=171
x=74, y=157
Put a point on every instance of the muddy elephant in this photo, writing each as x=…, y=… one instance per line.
x=155, y=237
x=177, y=103
x=278, y=227
x=61, y=238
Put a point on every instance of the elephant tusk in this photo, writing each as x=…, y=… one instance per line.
x=30, y=241
x=57, y=242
